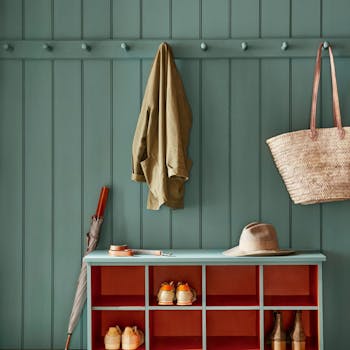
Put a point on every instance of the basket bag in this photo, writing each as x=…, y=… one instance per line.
x=315, y=163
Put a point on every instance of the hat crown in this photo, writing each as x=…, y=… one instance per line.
x=257, y=237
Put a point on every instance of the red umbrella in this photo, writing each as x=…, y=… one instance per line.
x=92, y=240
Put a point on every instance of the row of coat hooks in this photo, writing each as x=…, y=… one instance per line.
x=203, y=45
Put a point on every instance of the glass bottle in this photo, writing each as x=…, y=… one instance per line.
x=278, y=336
x=298, y=334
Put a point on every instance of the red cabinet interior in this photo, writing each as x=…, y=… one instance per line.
x=232, y=285
x=290, y=285
x=159, y=274
x=118, y=285
x=310, y=324
x=175, y=329
x=103, y=319
x=234, y=330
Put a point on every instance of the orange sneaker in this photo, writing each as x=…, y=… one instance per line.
x=185, y=295
x=112, y=338
x=166, y=293
x=132, y=338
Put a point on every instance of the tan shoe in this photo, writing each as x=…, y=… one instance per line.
x=112, y=338
x=132, y=338
x=185, y=295
x=166, y=293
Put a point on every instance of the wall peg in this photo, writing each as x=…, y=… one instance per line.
x=325, y=45
x=7, y=47
x=204, y=46
x=85, y=47
x=47, y=47
x=125, y=46
x=284, y=46
x=244, y=46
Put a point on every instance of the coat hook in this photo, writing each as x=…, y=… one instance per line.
x=47, y=47
x=244, y=46
x=7, y=47
x=86, y=47
x=325, y=45
x=204, y=46
x=125, y=46
x=284, y=46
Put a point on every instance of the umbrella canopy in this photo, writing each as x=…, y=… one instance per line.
x=92, y=240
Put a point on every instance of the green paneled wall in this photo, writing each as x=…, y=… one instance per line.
x=66, y=129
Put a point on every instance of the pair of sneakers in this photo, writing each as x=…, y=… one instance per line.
x=130, y=339
x=182, y=295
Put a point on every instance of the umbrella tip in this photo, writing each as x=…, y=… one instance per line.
x=67, y=341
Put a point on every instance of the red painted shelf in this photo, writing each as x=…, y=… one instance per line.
x=176, y=343
x=120, y=300
x=235, y=300
x=233, y=343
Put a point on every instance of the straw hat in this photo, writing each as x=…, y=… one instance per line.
x=258, y=239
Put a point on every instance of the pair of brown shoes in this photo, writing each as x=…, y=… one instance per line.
x=183, y=295
x=130, y=339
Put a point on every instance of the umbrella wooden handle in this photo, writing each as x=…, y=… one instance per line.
x=67, y=342
x=147, y=251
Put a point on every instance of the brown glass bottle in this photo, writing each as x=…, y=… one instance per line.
x=278, y=336
x=298, y=335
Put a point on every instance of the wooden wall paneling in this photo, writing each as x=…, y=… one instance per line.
x=155, y=19
x=97, y=142
x=305, y=220
x=245, y=18
x=306, y=18
x=186, y=222
x=96, y=19
x=335, y=18
x=245, y=144
x=11, y=210
x=67, y=195
x=126, y=193
x=11, y=19
x=155, y=224
x=185, y=19
x=275, y=18
x=38, y=205
x=335, y=220
x=67, y=19
x=215, y=154
x=37, y=19
x=215, y=19
x=126, y=18
x=274, y=121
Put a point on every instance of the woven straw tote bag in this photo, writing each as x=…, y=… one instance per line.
x=315, y=163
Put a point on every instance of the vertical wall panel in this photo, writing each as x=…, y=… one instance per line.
x=38, y=205
x=97, y=142
x=305, y=224
x=335, y=17
x=335, y=223
x=11, y=203
x=245, y=144
x=274, y=121
x=215, y=19
x=186, y=222
x=67, y=194
x=245, y=18
x=306, y=18
x=185, y=19
x=155, y=19
x=126, y=18
x=11, y=19
x=275, y=18
x=37, y=19
x=96, y=19
x=215, y=154
x=155, y=223
x=67, y=19
x=126, y=193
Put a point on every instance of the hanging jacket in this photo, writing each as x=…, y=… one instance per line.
x=159, y=150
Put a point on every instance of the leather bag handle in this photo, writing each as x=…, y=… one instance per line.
x=335, y=95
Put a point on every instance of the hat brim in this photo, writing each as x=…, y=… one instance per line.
x=235, y=251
